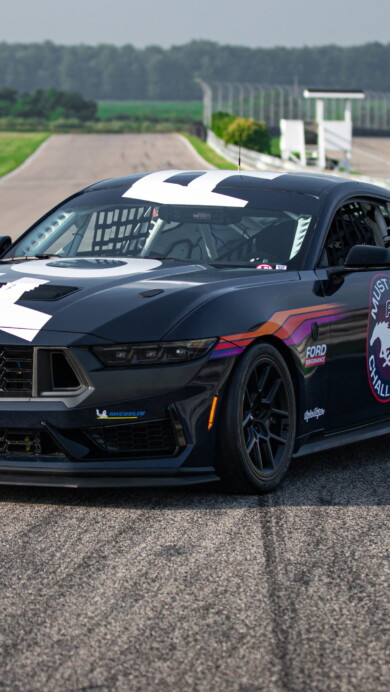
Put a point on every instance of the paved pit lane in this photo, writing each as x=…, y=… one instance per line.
x=176, y=590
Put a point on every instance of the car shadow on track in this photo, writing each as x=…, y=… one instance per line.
x=357, y=474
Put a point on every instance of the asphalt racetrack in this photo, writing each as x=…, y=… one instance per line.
x=194, y=589
x=66, y=163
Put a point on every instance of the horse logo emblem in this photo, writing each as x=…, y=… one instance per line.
x=378, y=338
x=382, y=332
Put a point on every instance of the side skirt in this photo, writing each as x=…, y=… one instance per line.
x=344, y=437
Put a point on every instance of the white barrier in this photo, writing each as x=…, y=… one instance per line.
x=252, y=160
x=292, y=139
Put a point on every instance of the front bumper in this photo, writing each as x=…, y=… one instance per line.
x=156, y=435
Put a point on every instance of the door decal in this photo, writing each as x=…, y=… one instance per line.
x=378, y=338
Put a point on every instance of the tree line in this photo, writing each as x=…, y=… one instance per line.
x=124, y=73
x=45, y=104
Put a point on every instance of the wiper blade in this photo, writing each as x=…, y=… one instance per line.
x=220, y=265
x=169, y=257
x=25, y=258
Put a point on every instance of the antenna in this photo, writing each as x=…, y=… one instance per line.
x=239, y=153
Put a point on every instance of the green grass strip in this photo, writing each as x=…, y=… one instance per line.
x=164, y=110
x=209, y=154
x=16, y=147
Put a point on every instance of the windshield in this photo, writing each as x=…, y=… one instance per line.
x=104, y=224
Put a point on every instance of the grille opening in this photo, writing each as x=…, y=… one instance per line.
x=31, y=443
x=136, y=440
x=62, y=374
x=55, y=372
x=16, y=371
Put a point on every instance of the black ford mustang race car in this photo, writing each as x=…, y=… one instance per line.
x=183, y=326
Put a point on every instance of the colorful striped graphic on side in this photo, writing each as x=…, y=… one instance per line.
x=291, y=326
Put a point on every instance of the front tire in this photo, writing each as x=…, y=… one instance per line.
x=258, y=423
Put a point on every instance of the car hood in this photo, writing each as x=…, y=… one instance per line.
x=111, y=299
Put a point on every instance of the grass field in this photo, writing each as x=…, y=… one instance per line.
x=15, y=147
x=209, y=154
x=145, y=110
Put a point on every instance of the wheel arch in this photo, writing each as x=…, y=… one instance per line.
x=288, y=357
x=233, y=461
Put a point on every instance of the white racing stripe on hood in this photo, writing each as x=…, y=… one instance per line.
x=43, y=268
x=16, y=319
x=153, y=188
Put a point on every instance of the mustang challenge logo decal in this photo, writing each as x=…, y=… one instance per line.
x=378, y=338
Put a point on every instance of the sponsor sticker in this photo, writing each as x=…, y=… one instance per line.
x=315, y=355
x=118, y=415
x=283, y=267
x=378, y=338
x=313, y=413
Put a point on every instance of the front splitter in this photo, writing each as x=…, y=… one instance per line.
x=111, y=479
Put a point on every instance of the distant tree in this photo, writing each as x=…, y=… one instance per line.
x=220, y=122
x=7, y=98
x=47, y=104
x=249, y=134
x=9, y=95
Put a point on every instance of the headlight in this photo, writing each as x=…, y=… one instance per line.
x=166, y=352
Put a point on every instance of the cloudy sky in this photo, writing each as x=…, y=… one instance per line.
x=255, y=23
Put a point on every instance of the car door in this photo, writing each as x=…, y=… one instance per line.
x=358, y=352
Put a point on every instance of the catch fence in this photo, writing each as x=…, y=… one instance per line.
x=270, y=103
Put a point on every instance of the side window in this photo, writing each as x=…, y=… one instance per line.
x=382, y=215
x=355, y=223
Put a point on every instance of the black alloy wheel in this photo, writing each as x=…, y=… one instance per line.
x=258, y=422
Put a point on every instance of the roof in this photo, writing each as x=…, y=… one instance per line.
x=174, y=186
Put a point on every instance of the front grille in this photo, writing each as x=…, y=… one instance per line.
x=136, y=440
x=55, y=372
x=16, y=371
x=31, y=443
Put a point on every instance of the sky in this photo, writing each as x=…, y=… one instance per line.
x=252, y=23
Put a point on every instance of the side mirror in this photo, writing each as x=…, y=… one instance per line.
x=5, y=242
x=367, y=256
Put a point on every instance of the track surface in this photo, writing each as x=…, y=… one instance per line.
x=67, y=163
x=371, y=156
x=112, y=590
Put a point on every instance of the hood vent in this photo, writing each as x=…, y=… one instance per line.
x=48, y=292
